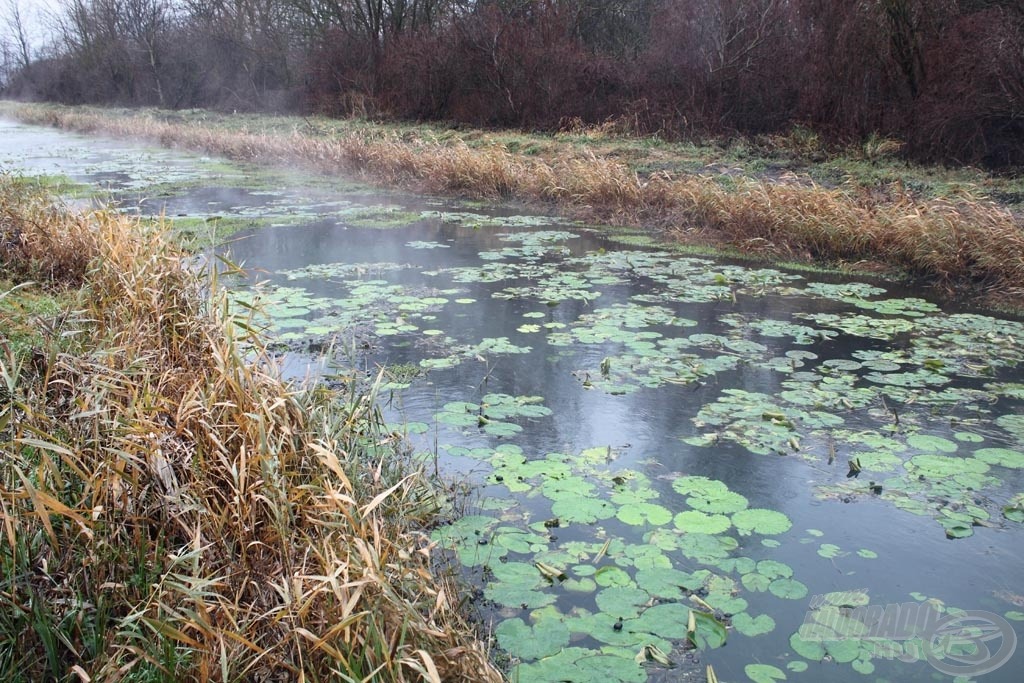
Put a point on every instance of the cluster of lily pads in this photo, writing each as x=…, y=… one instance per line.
x=569, y=571
x=596, y=575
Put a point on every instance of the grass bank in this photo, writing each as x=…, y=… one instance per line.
x=169, y=508
x=788, y=198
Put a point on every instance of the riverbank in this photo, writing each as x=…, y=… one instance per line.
x=782, y=198
x=172, y=510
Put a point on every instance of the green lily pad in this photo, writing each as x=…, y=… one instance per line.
x=622, y=601
x=753, y=626
x=639, y=514
x=844, y=651
x=1003, y=457
x=669, y=583
x=701, y=523
x=567, y=488
x=706, y=548
x=829, y=550
x=582, y=510
x=764, y=673
x=709, y=495
x=1014, y=424
x=544, y=638
x=580, y=665
x=511, y=595
x=668, y=620
x=808, y=649
x=755, y=582
x=863, y=665
x=740, y=565
x=932, y=444
x=711, y=633
x=761, y=521
x=941, y=466
x=1014, y=509
x=774, y=569
x=612, y=576
x=789, y=589
x=519, y=573
x=968, y=437
x=518, y=541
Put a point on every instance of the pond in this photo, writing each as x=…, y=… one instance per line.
x=677, y=461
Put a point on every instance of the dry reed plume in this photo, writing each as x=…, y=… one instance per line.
x=171, y=510
x=961, y=242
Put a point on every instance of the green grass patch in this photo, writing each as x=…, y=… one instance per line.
x=28, y=312
x=196, y=234
x=58, y=185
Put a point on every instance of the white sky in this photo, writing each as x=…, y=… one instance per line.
x=33, y=15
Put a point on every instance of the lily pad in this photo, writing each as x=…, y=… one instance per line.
x=669, y=583
x=612, y=576
x=755, y=582
x=709, y=495
x=789, y=589
x=512, y=595
x=582, y=510
x=668, y=620
x=544, y=638
x=622, y=601
x=761, y=521
x=580, y=665
x=753, y=626
x=639, y=514
x=701, y=523
x=764, y=673
x=811, y=650
x=1003, y=457
x=932, y=444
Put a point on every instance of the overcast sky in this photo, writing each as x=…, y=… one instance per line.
x=33, y=14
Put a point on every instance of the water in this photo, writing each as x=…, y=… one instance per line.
x=653, y=431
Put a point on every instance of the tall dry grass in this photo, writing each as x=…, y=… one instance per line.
x=171, y=510
x=28, y=251
x=965, y=242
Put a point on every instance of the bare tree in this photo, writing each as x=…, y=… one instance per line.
x=147, y=23
x=17, y=34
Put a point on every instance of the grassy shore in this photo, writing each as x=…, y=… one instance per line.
x=786, y=197
x=170, y=509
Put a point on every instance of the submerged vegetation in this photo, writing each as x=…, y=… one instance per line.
x=171, y=509
x=957, y=239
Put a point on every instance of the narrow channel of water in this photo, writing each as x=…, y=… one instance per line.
x=796, y=458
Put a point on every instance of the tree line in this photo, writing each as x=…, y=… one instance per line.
x=944, y=76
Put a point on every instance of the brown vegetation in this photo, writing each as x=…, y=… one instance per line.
x=31, y=252
x=960, y=243
x=171, y=510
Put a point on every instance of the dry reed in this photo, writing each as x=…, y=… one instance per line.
x=172, y=510
x=956, y=243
